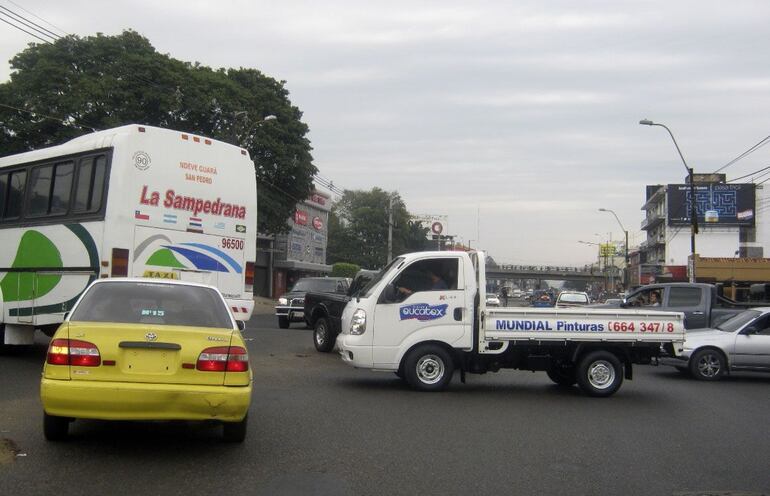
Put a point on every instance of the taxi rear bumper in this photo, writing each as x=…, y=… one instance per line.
x=141, y=401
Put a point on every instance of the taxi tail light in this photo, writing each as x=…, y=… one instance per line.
x=73, y=352
x=249, y=279
x=223, y=359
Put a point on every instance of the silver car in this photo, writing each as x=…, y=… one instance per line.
x=741, y=343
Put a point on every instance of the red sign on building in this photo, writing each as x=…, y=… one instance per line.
x=316, y=198
x=300, y=217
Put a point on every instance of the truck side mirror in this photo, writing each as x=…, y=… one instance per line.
x=241, y=325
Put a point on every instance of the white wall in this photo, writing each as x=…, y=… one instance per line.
x=709, y=242
x=763, y=219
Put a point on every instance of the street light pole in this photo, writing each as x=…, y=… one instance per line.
x=693, y=210
x=625, y=231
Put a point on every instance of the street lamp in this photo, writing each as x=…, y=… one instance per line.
x=599, y=260
x=625, y=278
x=693, y=212
x=238, y=113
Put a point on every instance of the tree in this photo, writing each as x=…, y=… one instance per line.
x=76, y=85
x=358, y=229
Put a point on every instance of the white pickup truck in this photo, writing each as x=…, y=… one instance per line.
x=422, y=318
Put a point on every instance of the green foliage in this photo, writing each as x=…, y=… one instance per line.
x=358, y=229
x=342, y=269
x=78, y=84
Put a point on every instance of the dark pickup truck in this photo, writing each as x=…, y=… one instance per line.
x=290, y=306
x=324, y=310
x=701, y=304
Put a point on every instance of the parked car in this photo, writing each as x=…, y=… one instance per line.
x=323, y=311
x=139, y=349
x=517, y=293
x=492, y=300
x=291, y=306
x=741, y=343
x=571, y=299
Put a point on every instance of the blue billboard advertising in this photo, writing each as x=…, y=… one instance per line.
x=716, y=204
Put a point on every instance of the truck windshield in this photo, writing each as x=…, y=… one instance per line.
x=366, y=291
x=735, y=323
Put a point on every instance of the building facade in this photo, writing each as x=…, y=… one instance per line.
x=302, y=251
x=732, y=223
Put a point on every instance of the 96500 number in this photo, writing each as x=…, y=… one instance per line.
x=232, y=243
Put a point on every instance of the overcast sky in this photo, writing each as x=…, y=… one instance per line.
x=517, y=120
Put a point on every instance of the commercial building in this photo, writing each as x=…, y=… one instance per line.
x=733, y=224
x=301, y=252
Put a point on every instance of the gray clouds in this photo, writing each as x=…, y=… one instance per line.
x=527, y=112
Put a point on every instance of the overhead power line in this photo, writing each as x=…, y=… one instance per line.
x=65, y=33
x=754, y=148
x=24, y=30
x=28, y=23
x=66, y=122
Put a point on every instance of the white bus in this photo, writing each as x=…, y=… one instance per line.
x=132, y=201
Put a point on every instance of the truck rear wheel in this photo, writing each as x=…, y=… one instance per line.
x=283, y=322
x=563, y=376
x=322, y=336
x=428, y=368
x=599, y=373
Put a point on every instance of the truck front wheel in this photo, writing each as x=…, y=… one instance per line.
x=428, y=368
x=322, y=336
x=599, y=374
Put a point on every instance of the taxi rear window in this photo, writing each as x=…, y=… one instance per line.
x=149, y=303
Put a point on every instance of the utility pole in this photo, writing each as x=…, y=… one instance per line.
x=390, y=227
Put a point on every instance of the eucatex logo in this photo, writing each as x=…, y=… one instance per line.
x=423, y=311
x=545, y=325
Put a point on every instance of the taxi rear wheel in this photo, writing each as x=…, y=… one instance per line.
x=235, y=432
x=55, y=428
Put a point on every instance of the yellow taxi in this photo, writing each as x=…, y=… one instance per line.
x=143, y=349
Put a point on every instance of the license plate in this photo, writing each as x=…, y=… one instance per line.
x=149, y=362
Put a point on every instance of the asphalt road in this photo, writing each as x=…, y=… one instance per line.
x=318, y=426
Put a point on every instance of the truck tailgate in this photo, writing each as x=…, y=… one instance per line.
x=550, y=324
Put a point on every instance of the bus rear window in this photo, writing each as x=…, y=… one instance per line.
x=90, y=185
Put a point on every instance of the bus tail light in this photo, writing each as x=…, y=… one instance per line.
x=119, y=262
x=223, y=359
x=249, y=280
x=73, y=352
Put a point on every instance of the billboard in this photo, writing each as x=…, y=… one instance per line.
x=436, y=225
x=716, y=204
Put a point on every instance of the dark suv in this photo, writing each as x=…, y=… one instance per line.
x=291, y=306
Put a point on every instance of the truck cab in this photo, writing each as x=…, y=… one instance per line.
x=415, y=292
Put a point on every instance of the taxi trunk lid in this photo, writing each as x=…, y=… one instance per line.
x=148, y=353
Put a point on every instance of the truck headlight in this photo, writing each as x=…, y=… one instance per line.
x=358, y=322
x=283, y=301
